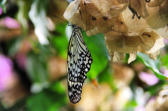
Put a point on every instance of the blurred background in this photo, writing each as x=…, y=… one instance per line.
x=33, y=52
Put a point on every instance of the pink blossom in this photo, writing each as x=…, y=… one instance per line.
x=5, y=71
x=11, y=23
x=166, y=41
x=164, y=71
x=1, y=11
x=149, y=79
x=140, y=108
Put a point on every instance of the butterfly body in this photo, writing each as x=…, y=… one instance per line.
x=79, y=63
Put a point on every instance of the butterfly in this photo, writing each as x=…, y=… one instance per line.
x=79, y=63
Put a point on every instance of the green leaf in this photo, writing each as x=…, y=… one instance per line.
x=51, y=99
x=22, y=15
x=130, y=105
x=96, y=46
x=39, y=102
x=58, y=87
x=2, y=5
x=46, y=101
x=155, y=88
x=164, y=60
x=14, y=45
x=59, y=40
x=37, y=67
x=151, y=64
x=106, y=76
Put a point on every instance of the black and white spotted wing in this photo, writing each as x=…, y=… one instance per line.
x=79, y=63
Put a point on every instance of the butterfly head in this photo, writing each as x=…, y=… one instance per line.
x=74, y=26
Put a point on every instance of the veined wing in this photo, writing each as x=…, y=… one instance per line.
x=79, y=63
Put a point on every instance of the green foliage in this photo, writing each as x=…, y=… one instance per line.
x=106, y=76
x=48, y=100
x=130, y=105
x=36, y=64
x=96, y=46
x=151, y=64
x=59, y=40
x=22, y=15
x=2, y=5
x=156, y=88
x=164, y=60
x=14, y=46
x=53, y=97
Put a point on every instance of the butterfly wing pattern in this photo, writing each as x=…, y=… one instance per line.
x=79, y=63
